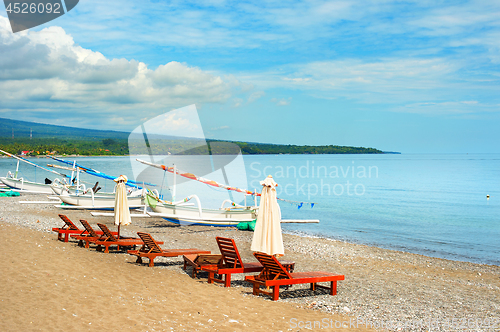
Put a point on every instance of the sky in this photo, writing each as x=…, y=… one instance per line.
x=408, y=76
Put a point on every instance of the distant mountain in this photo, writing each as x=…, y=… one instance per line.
x=40, y=130
x=71, y=140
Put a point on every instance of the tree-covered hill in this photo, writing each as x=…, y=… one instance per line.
x=52, y=139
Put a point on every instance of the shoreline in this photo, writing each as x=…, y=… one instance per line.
x=382, y=247
x=381, y=284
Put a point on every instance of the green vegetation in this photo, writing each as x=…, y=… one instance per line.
x=252, y=148
x=60, y=146
x=109, y=147
x=51, y=139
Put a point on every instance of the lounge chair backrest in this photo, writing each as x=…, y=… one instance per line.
x=150, y=244
x=273, y=270
x=230, y=254
x=107, y=233
x=68, y=222
x=89, y=228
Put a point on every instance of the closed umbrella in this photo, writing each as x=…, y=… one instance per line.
x=267, y=236
x=122, y=212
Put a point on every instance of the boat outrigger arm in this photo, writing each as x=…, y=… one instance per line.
x=94, y=172
x=33, y=164
x=192, y=176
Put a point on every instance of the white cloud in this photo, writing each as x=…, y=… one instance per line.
x=447, y=108
x=256, y=95
x=282, y=101
x=456, y=19
x=296, y=80
x=46, y=69
x=220, y=128
x=179, y=122
x=389, y=80
x=237, y=102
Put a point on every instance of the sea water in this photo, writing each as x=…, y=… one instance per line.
x=430, y=204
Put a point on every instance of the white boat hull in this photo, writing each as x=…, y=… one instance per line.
x=28, y=186
x=71, y=190
x=59, y=189
x=204, y=220
x=104, y=202
x=189, y=215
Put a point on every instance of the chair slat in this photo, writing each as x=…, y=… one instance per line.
x=150, y=243
x=68, y=222
x=272, y=267
x=229, y=251
x=107, y=233
x=88, y=228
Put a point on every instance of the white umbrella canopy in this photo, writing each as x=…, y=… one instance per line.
x=267, y=236
x=122, y=212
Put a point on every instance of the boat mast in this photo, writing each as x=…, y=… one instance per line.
x=175, y=183
x=17, y=169
x=31, y=163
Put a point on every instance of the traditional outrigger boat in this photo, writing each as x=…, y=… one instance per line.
x=23, y=185
x=181, y=213
x=100, y=202
x=20, y=184
x=83, y=197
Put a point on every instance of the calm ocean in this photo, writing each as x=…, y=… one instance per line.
x=430, y=204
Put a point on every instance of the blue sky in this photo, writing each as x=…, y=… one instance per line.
x=409, y=76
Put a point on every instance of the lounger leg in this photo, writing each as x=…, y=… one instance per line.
x=80, y=243
x=66, y=237
x=59, y=236
x=227, y=280
x=276, y=293
x=256, y=289
x=99, y=248
x=139, y=260
x=151, y=262
x=106, y=249
x=333, y=288
x=313, y=286
x=210, y=277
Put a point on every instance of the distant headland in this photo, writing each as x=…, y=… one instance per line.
x=36, y=139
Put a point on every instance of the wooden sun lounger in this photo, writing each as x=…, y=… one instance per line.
x=198, y=261
x=151, y=249
x=90, y=235
x=68, y=229
x=275, y=275
x=231, y=263
x=108, y=240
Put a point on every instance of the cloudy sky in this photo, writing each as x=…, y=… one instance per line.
x=410, y=76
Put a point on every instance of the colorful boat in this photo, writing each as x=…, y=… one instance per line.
x=183, y=214
x=20, y=184
x=97, y=201
x=26, y=186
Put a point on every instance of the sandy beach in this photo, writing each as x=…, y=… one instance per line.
x=48, y=285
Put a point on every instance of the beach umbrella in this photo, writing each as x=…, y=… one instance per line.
x=122, y=212
x=267, y=236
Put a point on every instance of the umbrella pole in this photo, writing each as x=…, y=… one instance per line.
x=118, y=231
